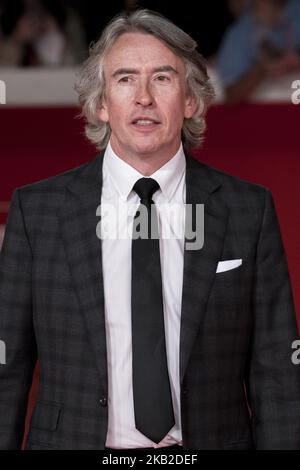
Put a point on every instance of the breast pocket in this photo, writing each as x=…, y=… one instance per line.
x=230, y=277
x=230, y=289
x=228, y=265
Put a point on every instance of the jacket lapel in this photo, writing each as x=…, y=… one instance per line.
x=78, y=221
x=200, y=265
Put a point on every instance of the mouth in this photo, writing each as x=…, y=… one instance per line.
x=145, y=124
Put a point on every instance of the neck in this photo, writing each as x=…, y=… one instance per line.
x=145, y=164
x=147, y=167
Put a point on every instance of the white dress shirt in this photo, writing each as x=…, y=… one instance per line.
x=118, y=181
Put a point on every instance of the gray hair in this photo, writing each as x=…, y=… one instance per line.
x=91, y=82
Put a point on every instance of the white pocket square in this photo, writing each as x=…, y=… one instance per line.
x=228, y=264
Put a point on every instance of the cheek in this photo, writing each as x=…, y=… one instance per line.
x=121, y=97
x=173, y=105
x=121, y=106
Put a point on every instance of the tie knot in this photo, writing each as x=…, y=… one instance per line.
x=145, y=188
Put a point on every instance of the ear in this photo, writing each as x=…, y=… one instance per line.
x=190, y=107
x=103, y=112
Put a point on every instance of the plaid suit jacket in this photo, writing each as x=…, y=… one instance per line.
x=239, y=387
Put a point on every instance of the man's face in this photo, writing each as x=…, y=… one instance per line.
x=145, y=101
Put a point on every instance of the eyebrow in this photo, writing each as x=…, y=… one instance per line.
x=125, y=71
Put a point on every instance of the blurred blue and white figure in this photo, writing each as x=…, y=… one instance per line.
x=263, y=42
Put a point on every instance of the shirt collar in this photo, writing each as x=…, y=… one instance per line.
x=123, y=176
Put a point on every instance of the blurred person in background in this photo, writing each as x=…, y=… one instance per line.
x=237, y=7
x=263, y=43
x=40, y=33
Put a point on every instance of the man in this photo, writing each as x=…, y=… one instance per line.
x=262, y=44
x=146, y=342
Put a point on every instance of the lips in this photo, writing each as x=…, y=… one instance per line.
x=145, y=121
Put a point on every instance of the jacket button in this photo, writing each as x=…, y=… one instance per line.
x=103, y=401
x=184, y=391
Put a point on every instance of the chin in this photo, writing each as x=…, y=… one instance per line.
x=146, y=149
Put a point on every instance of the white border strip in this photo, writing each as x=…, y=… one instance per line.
x=39, y=86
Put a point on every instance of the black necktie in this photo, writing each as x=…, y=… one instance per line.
x=154, y=415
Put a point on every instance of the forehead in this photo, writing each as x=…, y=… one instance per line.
x=140, y=50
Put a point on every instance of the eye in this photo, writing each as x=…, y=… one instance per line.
x=124, y=79
x=163, y=78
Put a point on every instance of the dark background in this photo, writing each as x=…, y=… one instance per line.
x=205, y=21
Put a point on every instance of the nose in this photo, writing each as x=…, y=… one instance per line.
x=143, y=95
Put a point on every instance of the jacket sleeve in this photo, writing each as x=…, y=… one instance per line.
x=274, y=381
x=16, y=328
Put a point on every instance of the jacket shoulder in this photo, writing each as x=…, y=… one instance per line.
x=230, y=184
x=57, y=183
